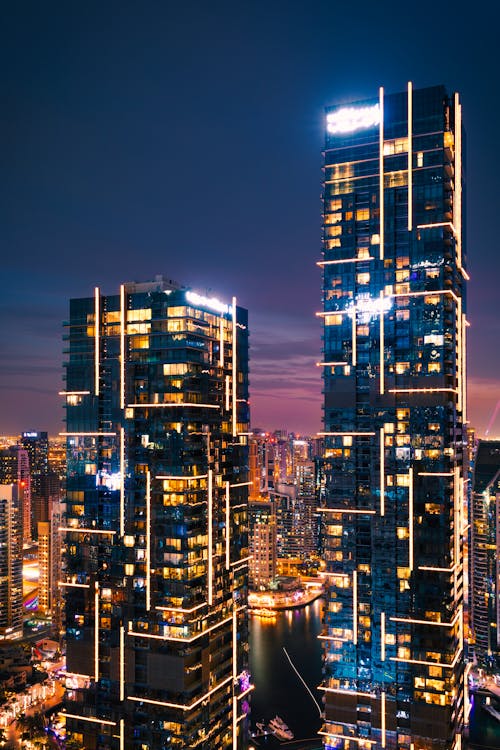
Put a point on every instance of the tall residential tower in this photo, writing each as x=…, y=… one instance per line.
x=394, y=411
x=156, y=526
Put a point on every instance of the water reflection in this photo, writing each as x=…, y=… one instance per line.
x=278, y=690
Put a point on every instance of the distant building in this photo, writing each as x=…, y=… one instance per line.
x=11, y=562
x=37, y=445
x=50, y=563
x=15, y=468
x=262, y=525
x=485, y=557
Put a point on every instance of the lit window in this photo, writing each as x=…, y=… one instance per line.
x=176, y=368
x=434, y=339
x=335, y=205
x=402, y=315
x=333, y=320
x=363, y=278
x=363, y=252
x=396, y=146
x=396, y=179
x=362, y=214
x=434, y=367
x=142, y=314
x=333, y=218
x=420, y=159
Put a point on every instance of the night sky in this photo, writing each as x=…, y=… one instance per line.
x=184, y=139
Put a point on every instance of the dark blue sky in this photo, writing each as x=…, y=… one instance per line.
x=184, y=138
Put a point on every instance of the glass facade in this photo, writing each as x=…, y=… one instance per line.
x=394, y=273
x=485, y=565
x=156, y=539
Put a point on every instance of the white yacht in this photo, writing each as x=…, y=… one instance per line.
x=280, y=730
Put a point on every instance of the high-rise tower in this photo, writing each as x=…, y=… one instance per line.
x=394, y=411
x=485, y=563
x=11, y=561
x=156, y=529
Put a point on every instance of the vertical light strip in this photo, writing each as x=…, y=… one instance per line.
x=122, y=481
x=382, y=711
x=355, y=607
x=227, y=392
x=463, y=514
x=410, y=519
x=457, y=203
x=354, y=346
x=148, y=540
x=122, y=734
x=382, y=344
x=97, y=328
x=221, y=342
x=235, y=674
x=381, y=170
x=228, y=522
x=461, y=626
x=122, y=346
x=382, y=471
x=210, y=540
x=122, y=663
x=467, y=701
x=382, y=636
x=410, y=156
x=456, y=516
x=234, y=373
x=96, y=632
x=235, y=722
x=464, y=369
x=459, y=353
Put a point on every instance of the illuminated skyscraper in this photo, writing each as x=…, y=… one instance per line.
x=156, y=529
x=15, y=469
x=485, y=563
x=37, y=445
x=11, y=562
x=394, y=411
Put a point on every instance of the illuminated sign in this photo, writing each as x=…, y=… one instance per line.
x=347, y=119
x=370, y=307
x=30, y=434
x=211, y=302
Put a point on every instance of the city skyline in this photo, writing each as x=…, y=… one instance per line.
x=188, y=144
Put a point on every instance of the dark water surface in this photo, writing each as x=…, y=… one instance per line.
x=278, y=690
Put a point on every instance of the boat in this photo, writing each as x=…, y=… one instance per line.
x=280, y=730
x=263, y=612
